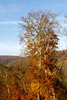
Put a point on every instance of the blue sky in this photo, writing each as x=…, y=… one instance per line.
x=11, y=12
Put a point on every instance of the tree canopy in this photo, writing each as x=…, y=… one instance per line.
x=39, y=34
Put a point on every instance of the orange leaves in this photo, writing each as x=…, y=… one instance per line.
x=29, y=45
x=47, y=60
x=44, y=66
x=35, y=85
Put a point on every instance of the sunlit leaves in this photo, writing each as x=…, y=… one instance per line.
x=35, y=85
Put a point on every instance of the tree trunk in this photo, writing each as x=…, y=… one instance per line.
x=38, y=97
x=40, y=66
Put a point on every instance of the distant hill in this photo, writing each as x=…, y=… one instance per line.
x=7, y=59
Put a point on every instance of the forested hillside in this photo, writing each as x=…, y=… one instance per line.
x=7, y=59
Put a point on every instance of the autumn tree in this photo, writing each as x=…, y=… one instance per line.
x=39, y=35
